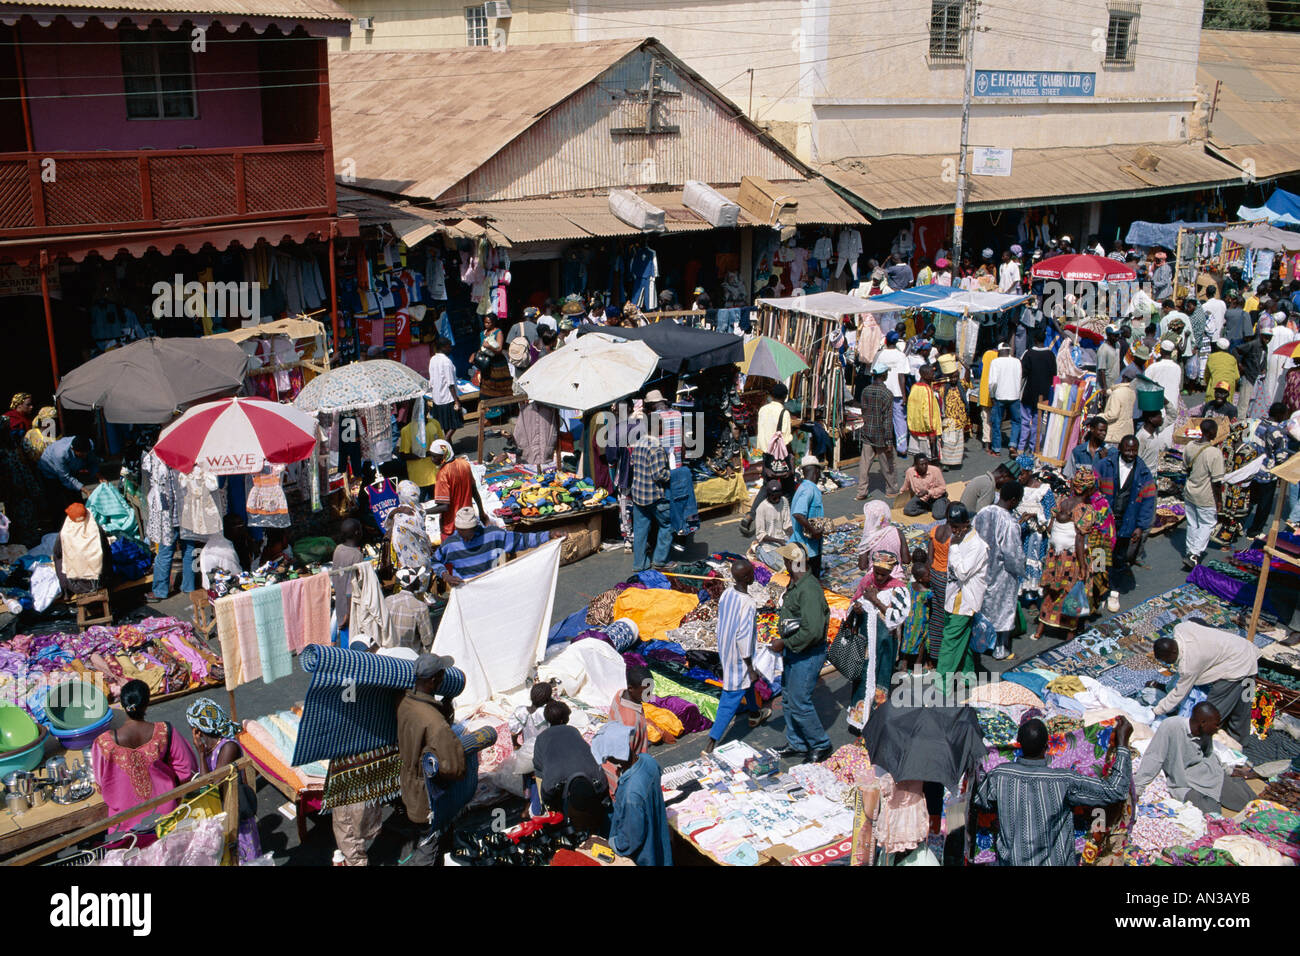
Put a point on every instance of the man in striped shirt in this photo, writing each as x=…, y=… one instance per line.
x=474, y=549
x=737, y=636
x=1034, y=801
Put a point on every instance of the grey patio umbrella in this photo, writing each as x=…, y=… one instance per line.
x=146, y=382
x=924, y=743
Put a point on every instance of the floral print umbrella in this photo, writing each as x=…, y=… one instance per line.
x=362, y=385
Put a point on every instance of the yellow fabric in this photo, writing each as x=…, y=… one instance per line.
x=721, y=491
x=1066, y=686
x=660, y=720
x=422, y=471
x=924, y=417
x=656, y=611
x=988, y=358
x=1221, y=367
x=83, y=552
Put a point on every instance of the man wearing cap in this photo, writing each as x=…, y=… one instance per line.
x=1138, y=356
x=897, y=369
x=474, y=548
x=651, y=514
x=1006, y=383
x=666, y=424
x=407, y=621
x=1108, y=358
x=803, y=654
x=1162, y=278
x=877, y=432
x=455, y=487
x=526, y=328
x=804, y=508
x=424, y=731
x=1221, y=369
x=1220, y=406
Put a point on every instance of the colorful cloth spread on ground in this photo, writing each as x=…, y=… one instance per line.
x=161, y=651
x=339, y=724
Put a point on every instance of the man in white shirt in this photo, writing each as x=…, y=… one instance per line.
x=1215, y=313
x=1008, y=275
x=1153, y=439
x=1202, y=655
x=442, y=388
x=897, y=367
x=1168, y=373
x=1005, y=385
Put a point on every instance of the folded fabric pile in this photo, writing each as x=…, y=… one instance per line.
x=163, y=652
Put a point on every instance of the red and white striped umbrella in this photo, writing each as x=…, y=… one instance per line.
x=237, y=436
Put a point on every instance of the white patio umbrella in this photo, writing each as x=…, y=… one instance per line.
x=592, y=372
x=361, y=385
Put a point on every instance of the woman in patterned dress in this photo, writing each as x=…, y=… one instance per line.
x=1068, y=559
x=1101, y=536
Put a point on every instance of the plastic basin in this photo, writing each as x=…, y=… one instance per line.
x=17, y=729
x=82, y=736
x=24, y=758
x=74, y=705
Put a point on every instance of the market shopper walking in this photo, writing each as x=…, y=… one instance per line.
x=806, y=508
x=651, y=515
x=1005, y=386
x=999, y=528
x=1202, y=492
x=1130, y=490
x=878, y=439
x=737, y=643
x=968, y=561
x=803, y=652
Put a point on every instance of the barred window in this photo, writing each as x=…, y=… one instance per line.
x=1121, y=34
x=946, y=36
x=476, y=26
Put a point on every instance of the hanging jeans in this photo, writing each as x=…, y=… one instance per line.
x=1012, y=411
x=803, y=728
x=900, y=426
x=162, y=566
x=653, y=519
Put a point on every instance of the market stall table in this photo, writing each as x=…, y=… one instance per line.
x=19, y=830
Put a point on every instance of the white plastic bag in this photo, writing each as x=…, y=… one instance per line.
x=45, y=586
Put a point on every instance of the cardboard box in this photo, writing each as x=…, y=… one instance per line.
x=766, y=202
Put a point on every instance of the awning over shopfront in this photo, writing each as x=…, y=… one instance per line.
x=1250, y=82
x=902, y=186
x=166, y=241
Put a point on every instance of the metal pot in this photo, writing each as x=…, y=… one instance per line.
x=38, y=797
x=63, y=792
x=21, y=782
x=16, y=803
x=56, y=769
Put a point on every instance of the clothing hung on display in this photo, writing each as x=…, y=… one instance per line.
x=266, y=504
x=201, y=503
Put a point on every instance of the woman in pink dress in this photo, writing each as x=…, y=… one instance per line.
x=140, y=759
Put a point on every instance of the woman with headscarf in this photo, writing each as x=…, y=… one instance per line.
x=411, y=547
x=19, y=416
x=878, y=534
x=883, y=603
x=21, y=493
x=81, y=552
x=214, y=735
x=36, y=440
x=1101, y=538
x=1069, y=558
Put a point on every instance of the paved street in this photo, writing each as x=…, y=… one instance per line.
x=578, y=583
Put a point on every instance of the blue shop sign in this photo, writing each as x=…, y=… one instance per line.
x=1025, y=83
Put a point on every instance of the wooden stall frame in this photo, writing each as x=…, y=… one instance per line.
x=1069, y=415
x=222, y=775
x=1270, y=551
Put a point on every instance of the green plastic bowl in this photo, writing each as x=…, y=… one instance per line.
x=17, y=729
x=74, y=705
x=25, y=758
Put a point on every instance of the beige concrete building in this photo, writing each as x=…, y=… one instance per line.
x=822, y=75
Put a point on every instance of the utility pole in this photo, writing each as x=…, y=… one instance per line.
x=959, y=211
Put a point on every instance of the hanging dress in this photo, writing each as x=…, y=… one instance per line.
x=267, y=505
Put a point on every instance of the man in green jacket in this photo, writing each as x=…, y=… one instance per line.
x=803, y=654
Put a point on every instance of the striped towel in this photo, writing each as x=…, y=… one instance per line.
x=272, y=640
x=228, y=634
x=246, y=623
x=337, y=724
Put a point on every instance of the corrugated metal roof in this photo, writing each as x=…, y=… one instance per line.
x=417, y=123
x=581, y=217
x=272, y=9
x=373, y=210
x=898, y=185
x=1255, y=119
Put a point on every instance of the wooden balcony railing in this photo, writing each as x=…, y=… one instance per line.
x=62, y=193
